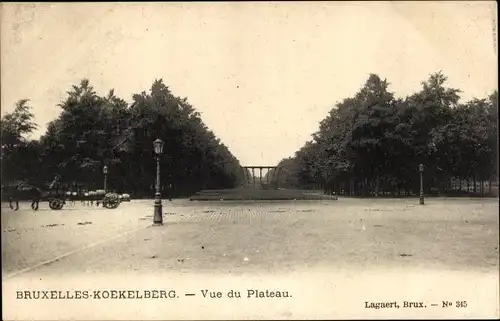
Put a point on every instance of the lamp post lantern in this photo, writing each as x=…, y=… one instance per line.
x=158, y=217
x=105, y=172
x=421, y=170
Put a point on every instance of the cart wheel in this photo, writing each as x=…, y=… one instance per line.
x=56, y=204
x=111, y=204
x=111, y=201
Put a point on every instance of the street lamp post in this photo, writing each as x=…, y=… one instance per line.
x=105, y=172
x=158, y=217
x=421, y=170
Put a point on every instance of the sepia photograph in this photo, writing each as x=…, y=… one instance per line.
x=280, y=160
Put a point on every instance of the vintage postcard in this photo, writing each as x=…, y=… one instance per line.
x=249, y=160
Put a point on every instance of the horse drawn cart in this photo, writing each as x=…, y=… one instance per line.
x=108, y=200
x=56, y=196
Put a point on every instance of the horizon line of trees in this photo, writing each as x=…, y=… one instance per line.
x=372, y=143
x=368, y=145
x=93, y=131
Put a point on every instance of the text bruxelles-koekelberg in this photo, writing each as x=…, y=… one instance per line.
x=95, y=294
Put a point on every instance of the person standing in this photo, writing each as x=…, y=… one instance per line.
x=170, y=191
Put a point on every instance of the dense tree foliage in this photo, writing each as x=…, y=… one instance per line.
x=94, y=131
x=373, y=142
x=18, y=152
x=368, y=144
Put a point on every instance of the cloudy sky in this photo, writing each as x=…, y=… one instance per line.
x=262, y=74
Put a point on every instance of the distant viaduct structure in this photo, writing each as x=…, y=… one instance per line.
x=269, y=180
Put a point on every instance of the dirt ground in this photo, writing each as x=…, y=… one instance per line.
x=230, y=237
x=389, y=248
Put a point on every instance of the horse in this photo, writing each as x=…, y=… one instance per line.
x=23, y=191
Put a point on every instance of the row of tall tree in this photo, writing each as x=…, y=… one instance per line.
x=94, y=131
x=373, y=143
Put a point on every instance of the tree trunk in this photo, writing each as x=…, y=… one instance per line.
x=475, y=190
x=468, y=185
x=490, y=188
x=482, y=188
x=377, y=186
